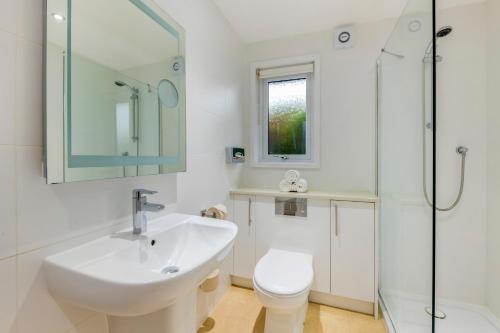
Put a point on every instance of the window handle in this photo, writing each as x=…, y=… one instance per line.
x=282, y=157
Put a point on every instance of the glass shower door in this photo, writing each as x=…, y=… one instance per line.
x=405, y=171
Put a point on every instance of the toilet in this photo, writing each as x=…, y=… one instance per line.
x=282, y=281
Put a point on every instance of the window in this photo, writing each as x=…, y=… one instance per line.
x=286, y=106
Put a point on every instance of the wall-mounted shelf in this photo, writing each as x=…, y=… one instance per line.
x=354, y=197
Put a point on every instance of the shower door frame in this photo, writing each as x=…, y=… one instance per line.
x=434, y=169
x=434, y=155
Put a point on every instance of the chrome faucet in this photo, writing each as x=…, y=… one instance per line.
x=140, y=206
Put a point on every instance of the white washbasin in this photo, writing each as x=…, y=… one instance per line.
x=127, y=275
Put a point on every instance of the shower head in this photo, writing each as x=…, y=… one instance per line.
x=444, y=31
x=123, y=84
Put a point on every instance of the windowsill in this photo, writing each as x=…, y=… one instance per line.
x=286, y=165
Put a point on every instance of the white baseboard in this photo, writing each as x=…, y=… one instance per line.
x=242, y=282
x=341, y=302
x=320, y=298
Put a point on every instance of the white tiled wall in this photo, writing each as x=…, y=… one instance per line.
x=8, y=292
x=347, y=107
x=214, y=73
x=7, y=201
x=38, y=219
x=214, y=70
x=493, y=153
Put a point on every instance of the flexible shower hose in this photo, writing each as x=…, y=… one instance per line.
x=462, y=181
x=460, y=150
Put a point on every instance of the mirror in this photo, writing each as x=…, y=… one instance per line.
x=167, y=91
x=114, y=90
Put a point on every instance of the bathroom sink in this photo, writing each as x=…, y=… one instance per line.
x=132, y=275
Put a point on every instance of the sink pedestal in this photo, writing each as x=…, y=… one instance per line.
x=179, y=317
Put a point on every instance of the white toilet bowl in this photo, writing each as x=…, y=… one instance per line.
x=282, y=281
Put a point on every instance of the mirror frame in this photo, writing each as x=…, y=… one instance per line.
x=166, y=163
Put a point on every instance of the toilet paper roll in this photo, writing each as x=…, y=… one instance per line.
x=221, y=207
x=218, y=211
x=292, y=176
x=211, y=282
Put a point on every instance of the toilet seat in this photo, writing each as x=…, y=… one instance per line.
x=284, y=274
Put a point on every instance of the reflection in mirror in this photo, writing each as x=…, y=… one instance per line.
x=115, y=104
x=167, y=91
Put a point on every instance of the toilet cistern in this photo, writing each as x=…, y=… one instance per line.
x=140, y=206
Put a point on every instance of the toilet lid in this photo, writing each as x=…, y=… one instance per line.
x=284, y=273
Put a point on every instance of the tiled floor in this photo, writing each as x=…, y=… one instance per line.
x=240, y=312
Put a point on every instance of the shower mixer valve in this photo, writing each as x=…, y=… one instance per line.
x=462, y=150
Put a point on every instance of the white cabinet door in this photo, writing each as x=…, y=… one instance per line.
x=244, y=245
x=353, y=250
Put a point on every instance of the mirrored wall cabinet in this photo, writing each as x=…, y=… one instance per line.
x=114, y=90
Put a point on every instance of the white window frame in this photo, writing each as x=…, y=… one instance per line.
x=259, y=114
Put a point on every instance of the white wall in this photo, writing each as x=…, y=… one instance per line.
x=37, y=219
x=347, y=108
x=214, y=55
x=493, y=174
x=214, y=101
x=461, y=233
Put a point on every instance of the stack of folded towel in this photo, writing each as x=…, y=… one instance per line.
x=293, y=182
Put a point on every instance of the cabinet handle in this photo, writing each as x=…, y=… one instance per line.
x=336, y=220
x=249, y=211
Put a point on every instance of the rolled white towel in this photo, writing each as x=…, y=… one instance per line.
x=292, y=176
x=284, y=186
x=302, y=185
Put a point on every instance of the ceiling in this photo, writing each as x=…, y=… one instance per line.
x=258, y=20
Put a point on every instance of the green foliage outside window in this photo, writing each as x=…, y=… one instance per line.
x=287, y=117
x=287, y=132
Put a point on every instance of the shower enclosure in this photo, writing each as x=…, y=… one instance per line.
x=407, y=223
x=429, y=114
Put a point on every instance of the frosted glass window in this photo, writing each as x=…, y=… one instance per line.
x=287, y=117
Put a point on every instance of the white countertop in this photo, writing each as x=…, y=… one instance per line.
x=358, y=197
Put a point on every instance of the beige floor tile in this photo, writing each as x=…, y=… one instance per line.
x=240, y=312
